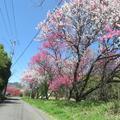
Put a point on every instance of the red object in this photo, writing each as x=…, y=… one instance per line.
x=13, y=91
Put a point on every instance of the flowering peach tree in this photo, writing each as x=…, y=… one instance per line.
x=79, y=40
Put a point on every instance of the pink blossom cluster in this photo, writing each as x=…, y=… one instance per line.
x=59, y=81
x=110, y=34
x=39, y=57
x=13, y=91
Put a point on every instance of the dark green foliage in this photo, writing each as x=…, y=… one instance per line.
x=44, y=90
x=5, y=64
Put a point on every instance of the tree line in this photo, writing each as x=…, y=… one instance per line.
x=5, y=73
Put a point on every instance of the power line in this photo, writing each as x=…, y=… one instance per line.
x=3, y=19
x=28, y=45
x=15, y=26
x=39, y=3
x=6, y=9
x=13, y=43
x=10, y=42
x=9, y=22
x=59, y=3
x=23, y=52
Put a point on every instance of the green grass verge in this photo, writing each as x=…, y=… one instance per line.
x=64, y=110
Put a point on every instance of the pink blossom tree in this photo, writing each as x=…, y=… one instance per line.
x=13, y=91
x=79, y=41
x=32, y=79
x=51, y=63
x=72, y=30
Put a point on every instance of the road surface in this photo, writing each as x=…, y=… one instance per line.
x=16, y=109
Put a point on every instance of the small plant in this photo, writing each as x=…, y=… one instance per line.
x=116, y=107
x=21, y=95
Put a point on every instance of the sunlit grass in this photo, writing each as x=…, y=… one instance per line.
x=64, y=110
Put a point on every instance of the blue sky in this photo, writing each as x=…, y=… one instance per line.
x=27, y=15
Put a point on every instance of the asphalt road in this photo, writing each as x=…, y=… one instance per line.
x=16, y=109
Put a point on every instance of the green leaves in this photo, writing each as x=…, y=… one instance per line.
x=5, y=64
x=4, y=59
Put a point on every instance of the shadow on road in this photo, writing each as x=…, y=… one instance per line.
x=10, y=100
x=13, y=98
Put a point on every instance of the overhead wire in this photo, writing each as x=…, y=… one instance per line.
x=39, y=3
x=8, y=31
x=5, y=25
x=13, y=42
x=26, y=48
x=29, y=44
x=15, y=26
x=59, y=3
x=7, y=14
x=13, y=48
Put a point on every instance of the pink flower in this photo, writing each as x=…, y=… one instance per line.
x=39, y=57
x=108, y=28
x=110, y=35
x=59, y=81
